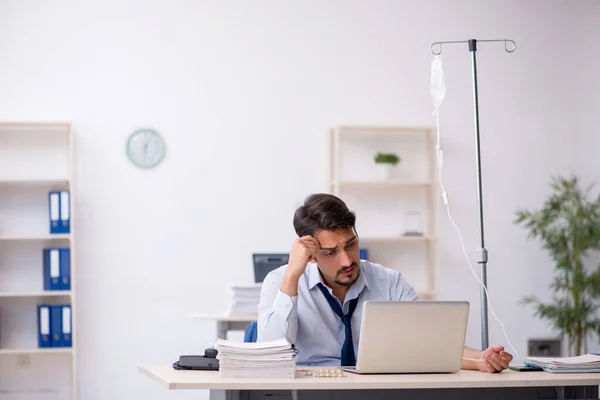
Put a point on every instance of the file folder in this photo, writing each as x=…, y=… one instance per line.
x=60, y=322
x=55, y=325
x=52, y=269
x=66, y=335
x=54, y=212
x=65, y=269
x=43, y=313
x=65, y=212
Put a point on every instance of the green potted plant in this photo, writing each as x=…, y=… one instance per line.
x=568, y=226
x=386, y=162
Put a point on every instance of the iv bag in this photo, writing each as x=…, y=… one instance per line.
x=438, y=84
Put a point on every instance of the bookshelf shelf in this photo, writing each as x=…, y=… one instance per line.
x=399, y=239
x=387, y=183
x=34, y=182
x=44, y=293
x=378, y=130
x=35, y=237
x=34, y=350
x=36, y=160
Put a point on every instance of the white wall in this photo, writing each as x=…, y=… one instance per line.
x=244, y=93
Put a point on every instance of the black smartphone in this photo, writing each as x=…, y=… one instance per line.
x=525, y=368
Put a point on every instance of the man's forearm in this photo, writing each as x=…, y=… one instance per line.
x=289, y=285
x=470, y=355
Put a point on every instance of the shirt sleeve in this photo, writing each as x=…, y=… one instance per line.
x=277, y=311
x=404, y=291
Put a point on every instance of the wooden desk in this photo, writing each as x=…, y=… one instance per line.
x=463, y=385
x=227, y=323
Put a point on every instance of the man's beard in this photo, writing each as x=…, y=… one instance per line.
x=349, y=280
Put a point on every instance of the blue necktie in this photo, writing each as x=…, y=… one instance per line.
x=348, y=357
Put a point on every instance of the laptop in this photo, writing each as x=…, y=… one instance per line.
x=411, y=337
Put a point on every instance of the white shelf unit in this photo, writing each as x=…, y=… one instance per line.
x=386, y=205
x=35, y=158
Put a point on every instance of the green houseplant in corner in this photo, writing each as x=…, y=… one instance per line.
x=386, y=162
x=568, y=226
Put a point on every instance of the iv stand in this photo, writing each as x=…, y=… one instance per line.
x=482, y=254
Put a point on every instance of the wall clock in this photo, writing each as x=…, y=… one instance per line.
x=145, y=148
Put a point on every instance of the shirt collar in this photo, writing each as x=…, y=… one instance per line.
x=314, y=277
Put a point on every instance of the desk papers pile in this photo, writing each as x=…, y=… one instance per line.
x=274, y=359
x=244, y=299
x=584, y=363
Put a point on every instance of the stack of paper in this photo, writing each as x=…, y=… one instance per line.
x=584, y=363
x=274, y=359
x=244, y=299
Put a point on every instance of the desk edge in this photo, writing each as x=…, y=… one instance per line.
x=150, y=375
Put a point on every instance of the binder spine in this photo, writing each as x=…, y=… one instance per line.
x=65, y=269
x=56, y=325
x=65, y=212
x=54, y=212
x=51, y=269
x=67, y=331
x=43, y=313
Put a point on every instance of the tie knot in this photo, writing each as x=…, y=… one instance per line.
x=347, y=318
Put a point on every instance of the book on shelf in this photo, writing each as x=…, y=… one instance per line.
x=57, y=268
x=270, y=359
x=585, y=363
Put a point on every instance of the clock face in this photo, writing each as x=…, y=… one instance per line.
x=145, y=148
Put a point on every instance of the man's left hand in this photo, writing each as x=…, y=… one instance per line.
x=494, y=359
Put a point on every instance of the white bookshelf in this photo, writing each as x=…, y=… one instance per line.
x=384, y=205
x=35, y=158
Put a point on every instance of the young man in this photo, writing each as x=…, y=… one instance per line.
x=315, y=301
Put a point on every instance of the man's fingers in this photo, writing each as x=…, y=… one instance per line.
x=497, y=348
x=495, y=364
x=310, y=239
x=506, y=356
x=488, y=367
x=500, y=360
x=309, y=245
x=491, y=358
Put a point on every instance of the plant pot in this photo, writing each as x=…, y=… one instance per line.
x=383, y=171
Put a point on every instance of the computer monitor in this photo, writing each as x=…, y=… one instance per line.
x=265, y=263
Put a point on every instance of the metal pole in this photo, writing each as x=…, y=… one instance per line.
x=481, y=252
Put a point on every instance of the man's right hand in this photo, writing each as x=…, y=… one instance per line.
x=304, y=250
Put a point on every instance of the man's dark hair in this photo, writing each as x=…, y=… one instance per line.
x=322, y=211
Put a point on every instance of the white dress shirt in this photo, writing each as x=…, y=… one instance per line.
x=307, y=319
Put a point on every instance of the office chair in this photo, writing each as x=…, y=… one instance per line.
x=251, y=332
